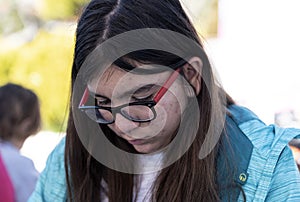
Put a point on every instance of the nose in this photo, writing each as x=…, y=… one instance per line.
x=124, y=126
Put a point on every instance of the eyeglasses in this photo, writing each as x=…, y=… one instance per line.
x=140, y=111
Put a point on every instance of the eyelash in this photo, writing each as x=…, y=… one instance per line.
x=100, y=103
x=106, y=102
x=144, y=98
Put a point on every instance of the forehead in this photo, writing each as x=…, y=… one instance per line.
x=116, y=80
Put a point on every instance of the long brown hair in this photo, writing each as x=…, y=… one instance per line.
x=195, y=178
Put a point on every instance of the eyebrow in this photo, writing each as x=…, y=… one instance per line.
x=137, y=90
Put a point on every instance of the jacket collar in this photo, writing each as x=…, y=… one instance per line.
x=234, y=155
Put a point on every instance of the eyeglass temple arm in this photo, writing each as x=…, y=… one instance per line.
x=84, y=97
x=166, y=85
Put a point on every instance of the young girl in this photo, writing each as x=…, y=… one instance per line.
x=149, y=122
x=19, y=119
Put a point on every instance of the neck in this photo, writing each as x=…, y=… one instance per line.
x=17, y=143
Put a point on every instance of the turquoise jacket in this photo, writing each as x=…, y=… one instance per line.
x=262, y=165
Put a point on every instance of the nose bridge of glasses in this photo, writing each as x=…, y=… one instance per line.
x=117, y=110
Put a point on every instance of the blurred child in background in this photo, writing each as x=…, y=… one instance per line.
x=19, y=119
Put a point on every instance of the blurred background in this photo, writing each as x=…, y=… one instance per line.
x=254, y=46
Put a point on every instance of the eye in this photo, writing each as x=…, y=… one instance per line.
x=143, y=98
x=145, y=93
x=102, y=101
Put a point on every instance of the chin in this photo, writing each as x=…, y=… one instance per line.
x=144, y=149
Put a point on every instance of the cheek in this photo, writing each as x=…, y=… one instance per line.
x=112, y=127
x=171, y=114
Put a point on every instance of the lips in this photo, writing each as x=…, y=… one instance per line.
x=136, y=142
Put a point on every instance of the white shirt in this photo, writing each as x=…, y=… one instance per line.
x=149, y=165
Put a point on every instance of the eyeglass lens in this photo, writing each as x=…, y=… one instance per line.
x=137, y=113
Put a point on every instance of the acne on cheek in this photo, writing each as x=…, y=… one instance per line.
x=172, y=107
x=172, y=114
x=177, y=110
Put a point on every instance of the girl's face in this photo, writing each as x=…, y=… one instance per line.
x=117, y=87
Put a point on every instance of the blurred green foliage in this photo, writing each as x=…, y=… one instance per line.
x=207, y=23
x=204, y=15
x=63, y=9
x=43, y=65
x=12, y=21
x=36, y=58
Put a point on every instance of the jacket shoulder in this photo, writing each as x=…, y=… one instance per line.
x=270, y=158
x=51, y=185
